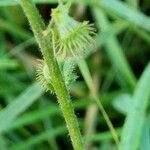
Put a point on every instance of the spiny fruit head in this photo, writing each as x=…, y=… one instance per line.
x=43, y=76
x=67, y=70
x=74, y=38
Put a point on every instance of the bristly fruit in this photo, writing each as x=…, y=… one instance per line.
x=43, y=76
x=74, y=39
x=67, y=70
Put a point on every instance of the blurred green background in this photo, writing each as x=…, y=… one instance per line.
x=31, y=119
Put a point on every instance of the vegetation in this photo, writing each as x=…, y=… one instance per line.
x=74, y=74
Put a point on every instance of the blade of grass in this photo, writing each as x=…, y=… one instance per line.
x=47, y=124
x=99, y=137
x=49, y=134
x=59, y=131
x=21, y=47
x=8, y=89
x=126, y=12
x=48, y=111
x=8, y=3
x=88, y=79
x=114, y=29
x=15, y=2
x=20, y=104
x=115, y=6
x=2, y=44
x=143, y=34
x=6, y=63
x=133, y=3
x=32, y=117
x=133, y=126
x=114, y=51
x=145, y=141
x=140, y=32
x=14, y=30
x=3, y=143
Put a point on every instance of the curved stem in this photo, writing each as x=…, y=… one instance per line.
x=57, y=80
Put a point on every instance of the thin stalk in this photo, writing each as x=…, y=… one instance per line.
x=64, y=101
x=121, y=66
x=89, y=81
x=91, y=112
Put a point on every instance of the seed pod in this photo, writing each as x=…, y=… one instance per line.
x=74, y=38
x=67, y=70
x=43, y=76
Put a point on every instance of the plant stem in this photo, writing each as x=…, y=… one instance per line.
x=64, y=101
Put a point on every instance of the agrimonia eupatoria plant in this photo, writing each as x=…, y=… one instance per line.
x=61, y=43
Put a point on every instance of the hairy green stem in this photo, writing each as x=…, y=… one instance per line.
x=64, y=101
